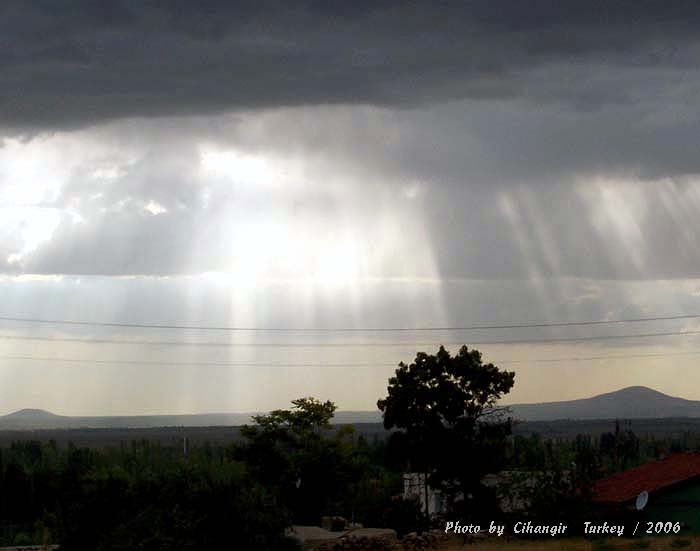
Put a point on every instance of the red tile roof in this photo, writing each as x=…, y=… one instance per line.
x=627, y=485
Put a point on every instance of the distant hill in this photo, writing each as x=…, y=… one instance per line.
x=36, y=419
x=33, y=414
x=634, y=402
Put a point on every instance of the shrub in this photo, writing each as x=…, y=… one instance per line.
x=183, y=509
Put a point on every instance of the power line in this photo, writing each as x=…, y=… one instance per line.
x=505, y=325
x=196, y=364
x=327, y=365
x=346, y=345
x=604, y=357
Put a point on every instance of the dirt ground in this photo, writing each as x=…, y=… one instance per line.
x=688, y=543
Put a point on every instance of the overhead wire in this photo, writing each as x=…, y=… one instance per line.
x=448, y=328
x=345, y=344
x=194, y=363
x=328, y=364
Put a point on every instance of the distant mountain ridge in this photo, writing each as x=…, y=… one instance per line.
x=36, y=419
x=32, y=414
x=635, y=402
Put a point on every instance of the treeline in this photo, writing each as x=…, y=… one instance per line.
x=613, y=451
x=138, y=497
x=290, y=468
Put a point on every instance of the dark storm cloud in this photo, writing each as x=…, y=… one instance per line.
x=488, y=143
x=76, y=63
x=499, y=114
x=360, y=166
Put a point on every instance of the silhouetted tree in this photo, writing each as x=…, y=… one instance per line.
x=450, y=427
x=310, y=467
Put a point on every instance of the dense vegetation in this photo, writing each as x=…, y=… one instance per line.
x=141, y=497
x=146, y=496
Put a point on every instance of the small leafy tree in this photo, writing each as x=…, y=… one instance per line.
x=449, y=426
x=295, y=453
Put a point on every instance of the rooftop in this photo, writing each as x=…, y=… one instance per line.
x=652, y=476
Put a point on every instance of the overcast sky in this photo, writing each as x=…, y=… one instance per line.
x=327, y=165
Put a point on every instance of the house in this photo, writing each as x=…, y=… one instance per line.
x=672, y=485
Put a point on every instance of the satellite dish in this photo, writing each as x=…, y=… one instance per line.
x=642, y=500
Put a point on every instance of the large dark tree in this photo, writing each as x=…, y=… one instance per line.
x=449, y=424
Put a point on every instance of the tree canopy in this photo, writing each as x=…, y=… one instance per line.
x=307, y=415
x=450, y=427
x=296, y=452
